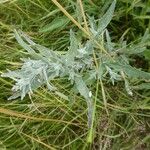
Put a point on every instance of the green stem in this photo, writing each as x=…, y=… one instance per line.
x=90, y=134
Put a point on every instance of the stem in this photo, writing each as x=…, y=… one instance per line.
x=70, y=17
x=104, y=96
x=79, y=26
x=90, y=134
x=83, y=14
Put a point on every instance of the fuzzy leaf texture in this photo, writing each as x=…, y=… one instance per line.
x=77, y=64
x=103, y=21
x=45, y=64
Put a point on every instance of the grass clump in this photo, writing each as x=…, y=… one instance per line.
x=98, y=65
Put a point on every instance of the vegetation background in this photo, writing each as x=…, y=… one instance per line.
x=47, y=121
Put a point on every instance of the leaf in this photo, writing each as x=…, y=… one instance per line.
x=142, y=86
x=139, y=48
x=130, y=71
x=22, y=43
x=72, y=52
x=82, y=88
x=84, y=91
x=50, y=55
x=113, y=75
x=41, y=52
x=147, y=54
x=93, y=27
x=109, y=43
x=128, y=88
x=32, y=75
x=78, y=13
x=73, y=44
x=100, y=71
x=26, y=37
x=14, y=96
x=136, y=48
x=57, y=23
x=136, y=73
x=106, y=18
x=61, y=95
x=146, y=36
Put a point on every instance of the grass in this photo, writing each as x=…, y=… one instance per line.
x=47, y=121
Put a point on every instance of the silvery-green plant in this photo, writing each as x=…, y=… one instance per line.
x=44, y=65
